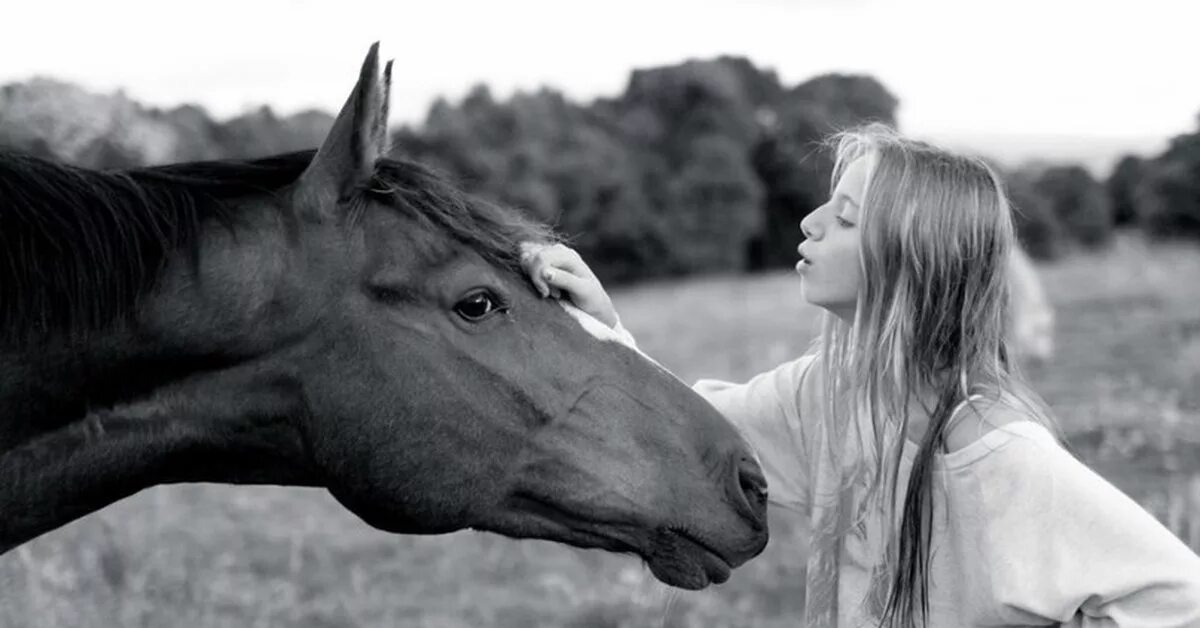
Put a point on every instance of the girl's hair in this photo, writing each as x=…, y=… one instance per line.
x=932, y=314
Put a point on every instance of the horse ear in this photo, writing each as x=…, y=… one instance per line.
x=381, y=122
x=358, y=138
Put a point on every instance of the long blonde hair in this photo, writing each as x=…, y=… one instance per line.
x=931, y=315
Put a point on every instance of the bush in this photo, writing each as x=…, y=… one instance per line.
x=1037, y=226
x=714, y=208
x=1079, y=203
x=1168, y=197
x=1122, y=186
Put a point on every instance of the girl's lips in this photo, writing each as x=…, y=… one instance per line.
x=805, y=260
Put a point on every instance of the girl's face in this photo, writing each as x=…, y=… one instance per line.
x=829, y=255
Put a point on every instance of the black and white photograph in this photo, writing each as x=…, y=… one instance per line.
x=622, y=314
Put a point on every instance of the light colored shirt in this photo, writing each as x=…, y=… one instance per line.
x=1024, y=534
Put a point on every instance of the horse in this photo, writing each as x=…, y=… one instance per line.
x=341, y=319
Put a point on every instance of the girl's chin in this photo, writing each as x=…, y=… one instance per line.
x=841, y=310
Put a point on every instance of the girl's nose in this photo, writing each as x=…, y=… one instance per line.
x=808, y=227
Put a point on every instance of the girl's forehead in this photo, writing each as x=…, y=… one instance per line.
x=852, y=186
x=853, y=182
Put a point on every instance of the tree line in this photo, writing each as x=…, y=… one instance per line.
x=699, y=167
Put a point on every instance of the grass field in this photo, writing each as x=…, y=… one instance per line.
x=1125, y=384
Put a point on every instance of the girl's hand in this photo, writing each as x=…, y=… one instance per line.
x=556, y=269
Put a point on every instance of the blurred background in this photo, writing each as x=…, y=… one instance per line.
x=677, y=145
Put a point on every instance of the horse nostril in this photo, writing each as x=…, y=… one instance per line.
x=753, y=489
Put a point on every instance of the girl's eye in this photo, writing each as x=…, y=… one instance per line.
x=477, y=306
x=843, y=222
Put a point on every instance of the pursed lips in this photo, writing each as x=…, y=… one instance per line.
x=804, y=257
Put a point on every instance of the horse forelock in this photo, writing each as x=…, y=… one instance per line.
x=491, y=230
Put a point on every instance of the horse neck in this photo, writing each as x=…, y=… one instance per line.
x=50, y=382
x=88, y=423
x=232, y=427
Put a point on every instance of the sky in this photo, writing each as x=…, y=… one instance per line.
x=1103, y=69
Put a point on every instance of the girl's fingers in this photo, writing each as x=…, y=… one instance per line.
x=533, y=261
x=537, y=275
x=561, y=256
x=559, y=279
x=529, y=247
x=559, y=260
x=548, y=280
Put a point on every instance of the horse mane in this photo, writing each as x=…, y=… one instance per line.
x=79, y=248
x=494, y=231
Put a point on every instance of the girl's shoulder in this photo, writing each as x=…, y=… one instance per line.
x=998, y=432
x=979, y=417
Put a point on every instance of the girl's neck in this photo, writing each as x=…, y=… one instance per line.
x=924, y=403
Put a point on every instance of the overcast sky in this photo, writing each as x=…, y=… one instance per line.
x=1062, y=67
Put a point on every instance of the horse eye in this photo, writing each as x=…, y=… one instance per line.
x=477, y=307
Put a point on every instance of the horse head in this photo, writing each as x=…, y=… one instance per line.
x=366, y=327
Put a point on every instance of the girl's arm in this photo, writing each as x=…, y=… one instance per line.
x=1070, y=547
x=766, y=412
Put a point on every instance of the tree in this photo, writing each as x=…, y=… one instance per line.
x=1037, y=226
x=557, y=161
x=847, y=99
x=106, y=154
x=261, y=132
x=199, y=134
x=1079, y=203
x=676, y=104
x=1168, y=198
x=1121, y=187
x=715, y=208
x=792, y=161
x=795, y=178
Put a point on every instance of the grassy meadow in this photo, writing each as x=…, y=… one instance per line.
x=1125, y=383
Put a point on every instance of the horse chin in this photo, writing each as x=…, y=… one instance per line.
x=674, y=559
x=683, y=561
x=675, y=556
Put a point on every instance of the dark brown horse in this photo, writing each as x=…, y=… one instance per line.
x=346, y=321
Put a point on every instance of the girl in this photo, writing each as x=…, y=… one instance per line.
x=938, y=491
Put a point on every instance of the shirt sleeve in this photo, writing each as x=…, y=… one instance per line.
x=765, y=410
x=1067, y=546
